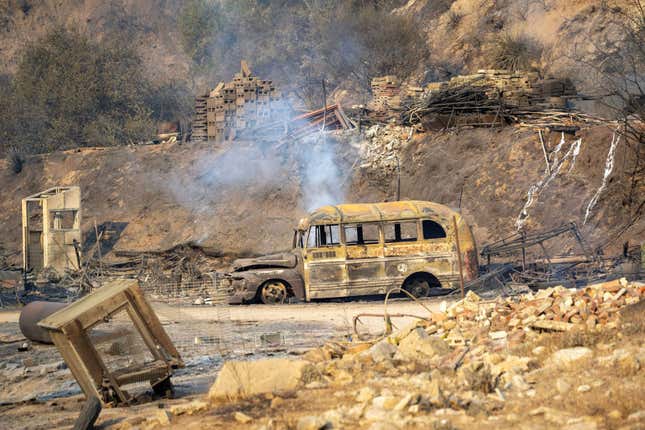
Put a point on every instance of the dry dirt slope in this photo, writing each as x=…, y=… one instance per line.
x=248, y=198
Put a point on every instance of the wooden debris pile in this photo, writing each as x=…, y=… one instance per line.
x=300, y=126
x=333, y=117
x=486, y=98
x=551, y=309
x=231, y=107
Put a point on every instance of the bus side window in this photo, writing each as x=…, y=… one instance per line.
x=311, y=237
x=400, y=231
x=361, y=234
x=432, y=230
x=351, y=234
x=323, y=235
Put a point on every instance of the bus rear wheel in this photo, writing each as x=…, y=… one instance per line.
x=273, y=292
x=417, y=286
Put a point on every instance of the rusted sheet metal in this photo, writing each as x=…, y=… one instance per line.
x=69, y=329
x=32, y=314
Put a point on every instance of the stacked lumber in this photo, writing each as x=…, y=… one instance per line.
x=199, y=127
x=231, y=107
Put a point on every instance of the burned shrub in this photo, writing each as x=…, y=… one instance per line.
x=511, y=51
x=16, y=160
x=454, y=19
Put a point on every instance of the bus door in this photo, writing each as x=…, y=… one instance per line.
x=365, y=265
x=324, y=262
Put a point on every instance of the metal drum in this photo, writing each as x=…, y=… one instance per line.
x=32, y=314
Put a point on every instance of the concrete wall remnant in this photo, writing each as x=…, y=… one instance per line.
x=51, y=230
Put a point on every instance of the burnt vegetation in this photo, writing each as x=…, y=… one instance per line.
x=513, y=51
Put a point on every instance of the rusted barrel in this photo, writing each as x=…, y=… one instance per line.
x=32, y=314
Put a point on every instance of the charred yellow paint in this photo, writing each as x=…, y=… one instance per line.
x=342, y=269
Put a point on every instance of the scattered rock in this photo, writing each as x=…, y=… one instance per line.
x=365, y=394
x=380, y=351
x=404, y=402
x=562, y=386
x=242, y=418
x=496, y=335
x=385, y=402
x=312, y=423
x=163, y=417
x=568, y=356
x=342, y=377
x=277, y=402
x=583, y=388
x=188, y=408
x=419, y=343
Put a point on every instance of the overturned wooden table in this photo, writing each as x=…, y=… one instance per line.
x=69, y=328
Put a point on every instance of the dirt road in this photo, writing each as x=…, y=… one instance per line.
x=204, y=335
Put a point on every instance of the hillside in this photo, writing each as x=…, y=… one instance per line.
x=247, y=198
x=555, y=37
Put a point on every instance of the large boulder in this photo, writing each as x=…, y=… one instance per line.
x=239, y=379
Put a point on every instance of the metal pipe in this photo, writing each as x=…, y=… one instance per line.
x=461, y=266
x=32, y=314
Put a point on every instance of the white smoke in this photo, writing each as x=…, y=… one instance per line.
x=259, y=166
x=320, y=174
x=609, y=167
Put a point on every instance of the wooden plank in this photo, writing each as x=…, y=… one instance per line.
x=75, y=364
x=69, y=313
x=150, y=317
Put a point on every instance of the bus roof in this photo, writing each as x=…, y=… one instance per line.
x=387, y=211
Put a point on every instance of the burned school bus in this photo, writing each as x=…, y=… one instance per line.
x=361, y=249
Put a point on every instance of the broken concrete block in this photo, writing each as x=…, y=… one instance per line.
x=238, y=379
